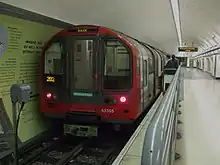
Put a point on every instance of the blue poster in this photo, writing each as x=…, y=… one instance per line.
x=3, y=40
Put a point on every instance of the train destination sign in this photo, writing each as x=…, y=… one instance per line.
x=84, y=30
x=187, y=49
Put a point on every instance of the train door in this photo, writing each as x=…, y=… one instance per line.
x=142, y=80
x=156, y=71
x=145, y=82
x=141, y=92
x=153, y=71
x=84, y=69
x=151, y=76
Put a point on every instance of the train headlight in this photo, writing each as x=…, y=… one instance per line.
x=123, y=99
x=48, y=95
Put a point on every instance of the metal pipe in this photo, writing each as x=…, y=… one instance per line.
x=214, y=49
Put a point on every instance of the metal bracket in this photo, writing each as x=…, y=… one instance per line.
x=177, y=156
x=179, y=122
x=179, y=136
x=4, y=145
x=5, y=141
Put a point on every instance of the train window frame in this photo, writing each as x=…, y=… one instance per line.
x=145, y=73
x=115, y=38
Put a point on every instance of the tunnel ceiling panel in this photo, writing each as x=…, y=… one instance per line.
x=199, y=20
x=149, y=20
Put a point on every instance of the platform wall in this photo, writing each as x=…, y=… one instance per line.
x=22, y=35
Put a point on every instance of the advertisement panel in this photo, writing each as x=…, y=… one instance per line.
x=21, y=43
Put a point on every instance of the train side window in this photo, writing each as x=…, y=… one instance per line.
x=145, y=73
x=150, y=65
x=138, y=66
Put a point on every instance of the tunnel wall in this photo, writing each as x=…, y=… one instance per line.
x=22, y=35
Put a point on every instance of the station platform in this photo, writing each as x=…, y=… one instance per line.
x=200, y=117
x=132, y=152
x=201, y=122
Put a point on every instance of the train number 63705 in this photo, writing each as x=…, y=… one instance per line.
x=106, y=110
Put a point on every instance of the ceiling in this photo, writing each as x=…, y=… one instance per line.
x=148, y=20
x=200, y=19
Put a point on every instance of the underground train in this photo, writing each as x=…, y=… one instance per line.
x=94, y=74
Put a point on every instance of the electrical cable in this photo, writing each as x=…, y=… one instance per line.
x=16, y=132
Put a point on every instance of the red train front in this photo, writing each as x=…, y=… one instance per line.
x=89, y=74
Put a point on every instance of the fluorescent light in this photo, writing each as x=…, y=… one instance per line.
x=176, y=15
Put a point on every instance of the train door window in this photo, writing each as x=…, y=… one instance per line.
x=81, y=52
x=79, y=48
x=90, y=46
x=53, y=59
x=117, y=66
x=145, y=73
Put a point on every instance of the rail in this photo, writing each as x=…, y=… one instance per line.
x=159, y=144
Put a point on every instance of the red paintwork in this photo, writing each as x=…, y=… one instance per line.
x=133, y=104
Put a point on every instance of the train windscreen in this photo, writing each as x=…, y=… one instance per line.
x=54, y=71
x=53, y=59
x=117, y=66
x=72, y=60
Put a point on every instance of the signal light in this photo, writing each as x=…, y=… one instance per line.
x=49, y=95
x=123, y=99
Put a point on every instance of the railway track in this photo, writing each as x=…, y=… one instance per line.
x=69, y=150
x=34, y=151
x=97, y=152
x=52, y=151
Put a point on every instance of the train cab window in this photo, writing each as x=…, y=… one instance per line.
x=117, y=66
x=53, y=59
x=145, y=73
